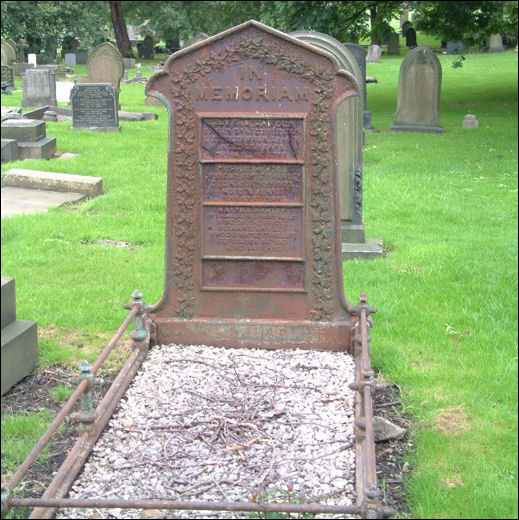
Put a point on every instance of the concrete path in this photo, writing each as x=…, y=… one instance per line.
x=25, y=200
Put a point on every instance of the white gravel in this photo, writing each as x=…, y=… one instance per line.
x=206, y=423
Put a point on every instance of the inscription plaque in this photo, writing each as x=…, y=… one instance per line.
x=252, y=138
x=94, y=105
x=253, y=250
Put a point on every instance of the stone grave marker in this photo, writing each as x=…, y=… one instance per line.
x=32, y=60
x=252, y=229
x=410, y=38
x=374, y=54
x=350, y=139
x=470, y=121
x=393, y=45
x=70, y=59
x=8, y=54
x=454, y=47
x=105, y=65
x=94, y=107
x=8, y=75
x=419, y=88
x=495, y=43
x=31, y=137
x=359, y=54
x=39, y=87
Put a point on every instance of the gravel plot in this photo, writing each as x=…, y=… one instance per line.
x=206, y=423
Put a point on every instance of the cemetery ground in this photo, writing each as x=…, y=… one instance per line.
x=445, y=333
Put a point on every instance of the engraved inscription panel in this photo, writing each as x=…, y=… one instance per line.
x=253, y=231
x=93, y=104
x=252, y=138
x=252, y=182
x=244, y=274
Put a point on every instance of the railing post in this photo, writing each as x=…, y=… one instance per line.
x=87, y=415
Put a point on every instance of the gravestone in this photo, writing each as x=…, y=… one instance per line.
x=105, y=65
x=19, y=340
x=8, y=75
x=374, y=53
x=172, y=45
x=359, y=54
x=419, y=88
x=8, y=54
x=145, y=49
x=197, y=38
x=94, y=107
x=31, y=58
x=81, y=57
x=129, y=63
x=393, y=45
x=31, y=137
x=39, y=87
x=70, y=59
x=495, y=43
x=350, y=139
x=252, y=220
x=20, y=50
x=470, y=121
x=454, y=47
x=410, y=38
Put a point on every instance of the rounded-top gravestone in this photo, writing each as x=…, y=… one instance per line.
x=419, y=88
x=105, y=65
x=8, y=54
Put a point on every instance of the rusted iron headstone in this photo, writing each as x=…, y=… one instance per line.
x=253, y=256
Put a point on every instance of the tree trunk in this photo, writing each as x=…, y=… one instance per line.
x=375, y=38
x=121, y=34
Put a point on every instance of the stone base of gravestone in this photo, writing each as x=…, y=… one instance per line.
x=354, y=233
x=31, y=138
x=45, y=148
x=9, y=150
x=371, y=248
x=19, y=340
x=395, y=127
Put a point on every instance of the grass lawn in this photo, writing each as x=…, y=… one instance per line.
x=446, y=210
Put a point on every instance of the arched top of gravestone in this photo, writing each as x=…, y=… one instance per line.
x=14, y=46
x=105, y=58
x=424, y=56
x=197, y=38
x=340, y=71
x=324, y=41
x=10, y=54
x=4, y=57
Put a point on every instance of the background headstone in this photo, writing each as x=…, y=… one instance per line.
x=359, y=54
x=81, y=57
x=495, y=43
x=129, y=63
x=419, y=87
x=70, y=59
x=8, y=54
x=39, y=87
x=94, y=107
x=410, y=38
x=393, y=45
x=201, y=36
x=470, y=121
x=454, y=47
x=374, y=53
x=31, y=58
x=63, y=89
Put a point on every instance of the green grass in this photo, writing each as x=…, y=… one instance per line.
x=446, y=210
x=61, y=393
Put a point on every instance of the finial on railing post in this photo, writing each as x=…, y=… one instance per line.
x=138, y=333
x=87, y=414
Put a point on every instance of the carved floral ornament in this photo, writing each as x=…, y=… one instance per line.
x=320, y=175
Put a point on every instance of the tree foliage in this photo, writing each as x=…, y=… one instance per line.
x=45, y=24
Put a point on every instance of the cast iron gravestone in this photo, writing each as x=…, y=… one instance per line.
x=94, y=106
x=419, y=88
x=252, y=228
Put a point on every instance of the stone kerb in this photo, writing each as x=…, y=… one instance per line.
x=419, y=89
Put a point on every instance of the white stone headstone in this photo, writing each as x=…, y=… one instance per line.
x=31, y=58
x=70, y=59
x=374, y=53
x=495, y=43
x=63, y=89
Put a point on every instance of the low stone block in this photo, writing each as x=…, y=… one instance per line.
x=150, y=115
x=371, y=248
x=65, y=182
x=8, y=303
x=19, y=352
x=42, y=149
x=21, y=68
x=23, y=129
x=9, y=150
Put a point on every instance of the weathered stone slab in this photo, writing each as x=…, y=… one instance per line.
x=44, y=148
x=70, y=59
x=470, y=121
x=9, y=150
x=22, y=178
x=374, y=54
x=419, y=93
x=17, y=201
x=393, y=45
x=454, y=47
x=94, y=107
x=39, y=87
x=23, y=129
x=257, y=263
x=495, y=43
x=21, y=68
x=8, y=75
